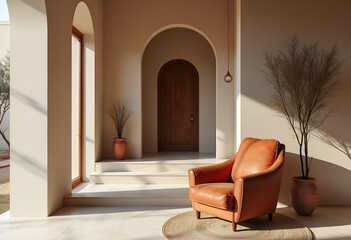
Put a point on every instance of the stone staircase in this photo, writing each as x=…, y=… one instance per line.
x=155, y=180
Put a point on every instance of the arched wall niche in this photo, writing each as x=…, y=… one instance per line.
x=82, y=19
x=179, y=42
x=185, y=26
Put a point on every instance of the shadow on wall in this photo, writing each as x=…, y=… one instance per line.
x=336, y=123
x=330, y=181
x=29, y=163
x=28, y=101
x=333, y=141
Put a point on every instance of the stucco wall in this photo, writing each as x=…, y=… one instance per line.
x=128, y=27
x=179, y=43
x=40, y=93
x=29, y=146
x=269, y=25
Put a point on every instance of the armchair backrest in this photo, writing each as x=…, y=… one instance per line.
x=254, y=155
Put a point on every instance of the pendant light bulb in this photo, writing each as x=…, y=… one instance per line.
x=228, y=78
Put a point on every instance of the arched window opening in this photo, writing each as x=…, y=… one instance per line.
x=77, y=107
x=83, y=95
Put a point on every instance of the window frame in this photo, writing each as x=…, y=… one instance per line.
x=76, y=33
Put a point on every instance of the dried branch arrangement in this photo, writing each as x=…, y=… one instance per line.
x=119, y=114
x=303, y=77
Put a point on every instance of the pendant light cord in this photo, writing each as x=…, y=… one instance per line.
x=228, y=77
x=228, y=38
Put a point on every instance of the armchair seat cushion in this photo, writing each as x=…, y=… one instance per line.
x=218, y=195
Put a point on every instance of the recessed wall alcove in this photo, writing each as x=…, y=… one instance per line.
x=186, y=44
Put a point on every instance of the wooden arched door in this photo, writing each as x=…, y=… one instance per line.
x=178, y=107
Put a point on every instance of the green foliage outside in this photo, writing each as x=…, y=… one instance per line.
x=4, y=92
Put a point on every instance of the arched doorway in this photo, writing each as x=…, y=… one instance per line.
x=189, y=45
x=178, y=107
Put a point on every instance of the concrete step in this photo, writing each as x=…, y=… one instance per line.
x=152, y=165
x=139, y=178
x=86, y=194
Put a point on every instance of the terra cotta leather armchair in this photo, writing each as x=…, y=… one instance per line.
x=243, y=187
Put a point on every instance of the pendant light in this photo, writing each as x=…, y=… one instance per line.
x=228, y=77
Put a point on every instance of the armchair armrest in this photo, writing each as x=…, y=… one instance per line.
x=257, y=194
x=210, y=174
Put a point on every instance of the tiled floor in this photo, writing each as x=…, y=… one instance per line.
x=145, y=223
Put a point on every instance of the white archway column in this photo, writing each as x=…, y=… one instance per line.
x=41, y=33
x=29, y=108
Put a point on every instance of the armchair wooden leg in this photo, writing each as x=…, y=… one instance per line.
x=234, y=226
x=270, y=217
x=198, y=214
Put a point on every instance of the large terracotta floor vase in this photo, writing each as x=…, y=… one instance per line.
x=304, y=195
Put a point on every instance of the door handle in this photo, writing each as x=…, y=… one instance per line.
x=191, y=118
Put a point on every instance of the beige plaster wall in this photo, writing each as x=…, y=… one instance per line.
x=128, y=27
x=29, y=145
x=179, y=43
x=40, y=89
x=268, y=25
x=92, y=107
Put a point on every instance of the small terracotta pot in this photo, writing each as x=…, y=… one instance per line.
x=304, y=195
x=119, y=147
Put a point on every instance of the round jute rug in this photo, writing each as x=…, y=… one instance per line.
x=185, y=226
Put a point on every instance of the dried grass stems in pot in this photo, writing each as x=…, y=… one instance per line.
x=119, y=113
